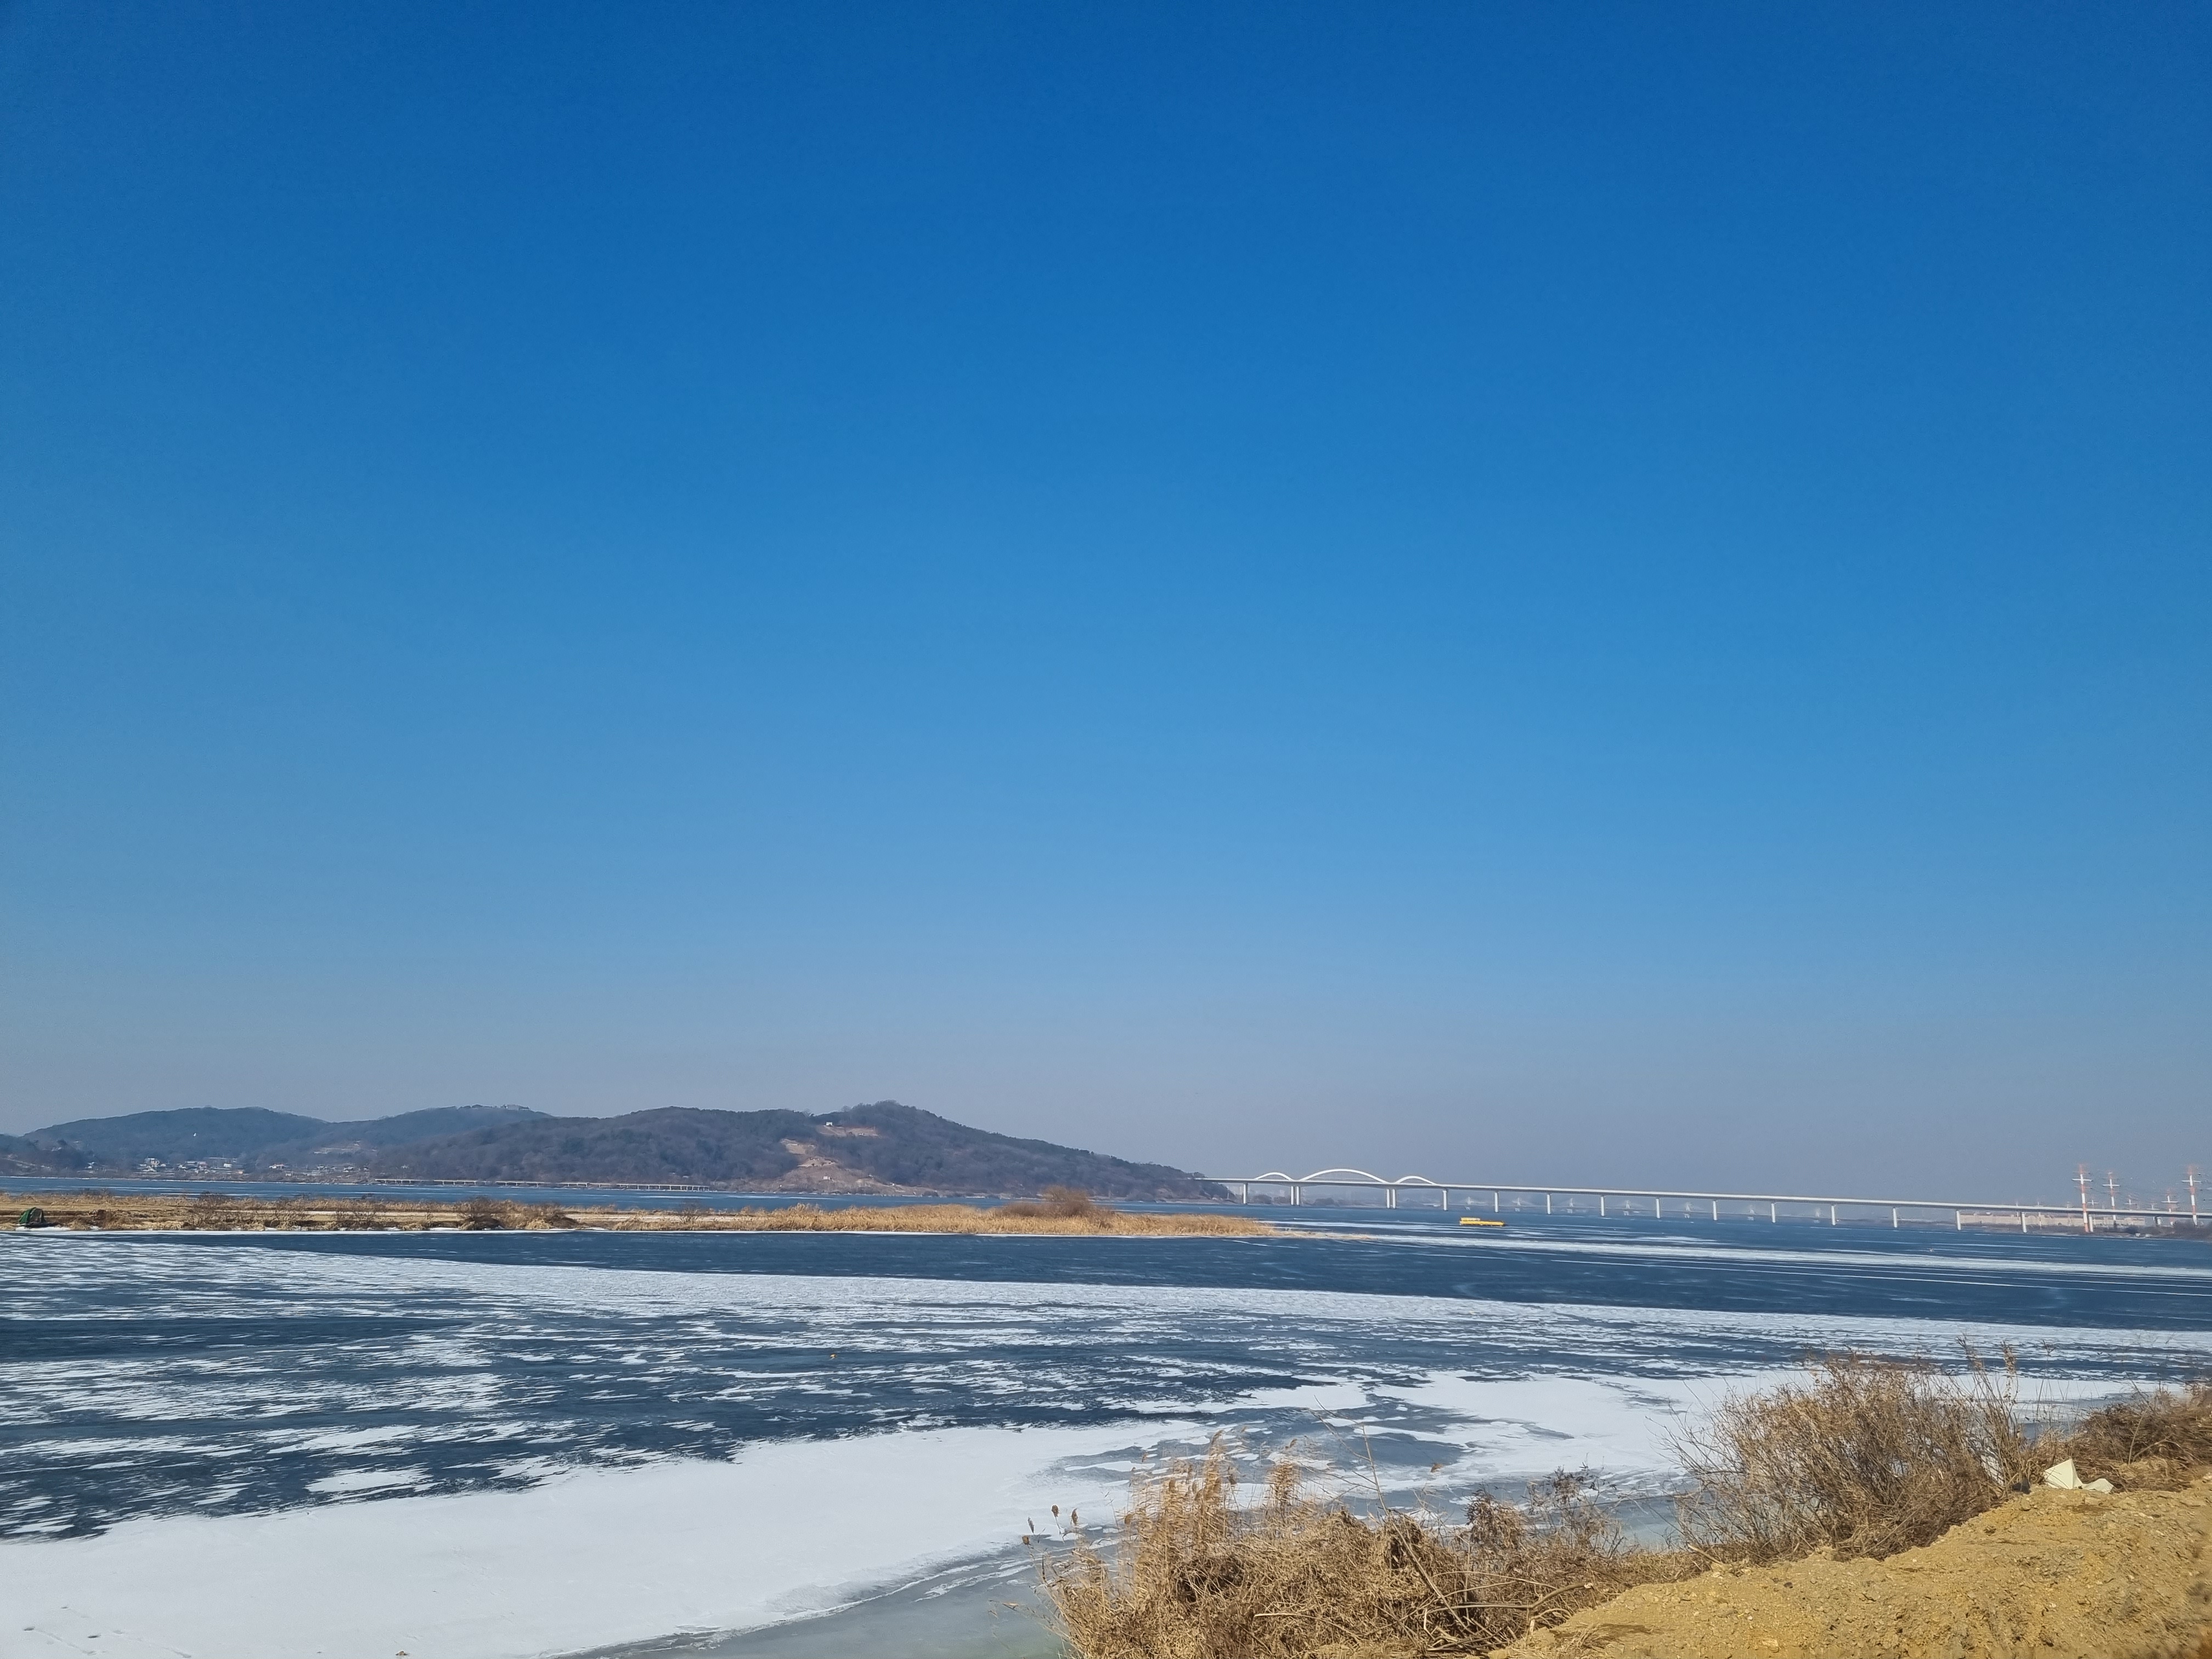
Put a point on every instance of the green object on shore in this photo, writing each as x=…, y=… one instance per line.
x=33, y=1217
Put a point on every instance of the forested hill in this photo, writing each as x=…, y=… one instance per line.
x=885, y=1147
x=244, y=1138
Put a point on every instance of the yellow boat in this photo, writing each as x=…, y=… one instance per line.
x=1479, y=1221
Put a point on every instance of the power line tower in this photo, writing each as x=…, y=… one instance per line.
x=2082, y=1180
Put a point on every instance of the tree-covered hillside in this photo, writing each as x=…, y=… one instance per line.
x=885, y=1147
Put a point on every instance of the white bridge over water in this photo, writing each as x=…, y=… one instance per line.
x=1497, y=1198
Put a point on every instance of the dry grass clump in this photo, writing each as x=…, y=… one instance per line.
x=218, y=1211
x=1194, y=1573
x=1077, y=1214
x=222, y=1213
x=1867, y=1457
x=2158, y=1440
x=1062, y=1203
x=496, y=1214
x=213, y=1211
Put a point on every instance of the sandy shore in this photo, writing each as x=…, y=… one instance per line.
x=2052, y=1574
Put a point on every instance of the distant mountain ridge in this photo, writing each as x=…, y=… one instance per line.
x=883, y=1147
x=20, y=1156
x=248, y=1138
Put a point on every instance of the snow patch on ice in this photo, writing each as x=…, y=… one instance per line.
x=586, y=1561
x=351, y=1480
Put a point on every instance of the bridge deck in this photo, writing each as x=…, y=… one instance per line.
x=1979, y=1212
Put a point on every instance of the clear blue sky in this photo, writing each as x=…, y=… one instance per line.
x=1581, y=592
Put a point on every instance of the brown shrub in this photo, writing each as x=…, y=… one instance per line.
x=1193, y=1573
x=212, y=1210
x=2154, y=1440
x=1073, y=1204
x=1060, y=1204
x=1867, y=1457
x=485, y=1215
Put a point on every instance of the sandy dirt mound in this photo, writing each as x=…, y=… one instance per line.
x=2052, y=1574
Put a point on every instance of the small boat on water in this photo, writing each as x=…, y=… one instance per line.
x=1479, y=1221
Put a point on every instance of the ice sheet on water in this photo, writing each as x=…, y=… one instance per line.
x=586, y=1560
x=609, y=1559
x=1736, y=1252
x=288, y=1369
x=602, y=1453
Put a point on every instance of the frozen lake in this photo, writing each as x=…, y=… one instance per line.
x=489, y=1444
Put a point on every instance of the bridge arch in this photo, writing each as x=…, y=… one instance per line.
x=1341, y=1175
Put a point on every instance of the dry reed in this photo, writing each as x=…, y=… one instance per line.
x=1064, y=1212
x=1864, y=1457
x=1093, y=1218
x=1868, y=1457
x=1195, y=1573
x=2158, y=1439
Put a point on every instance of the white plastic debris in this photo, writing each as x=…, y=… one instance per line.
x=2067, y=1477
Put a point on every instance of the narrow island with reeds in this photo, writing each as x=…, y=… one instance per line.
x=1875, y=1509
x=1062, y=1211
